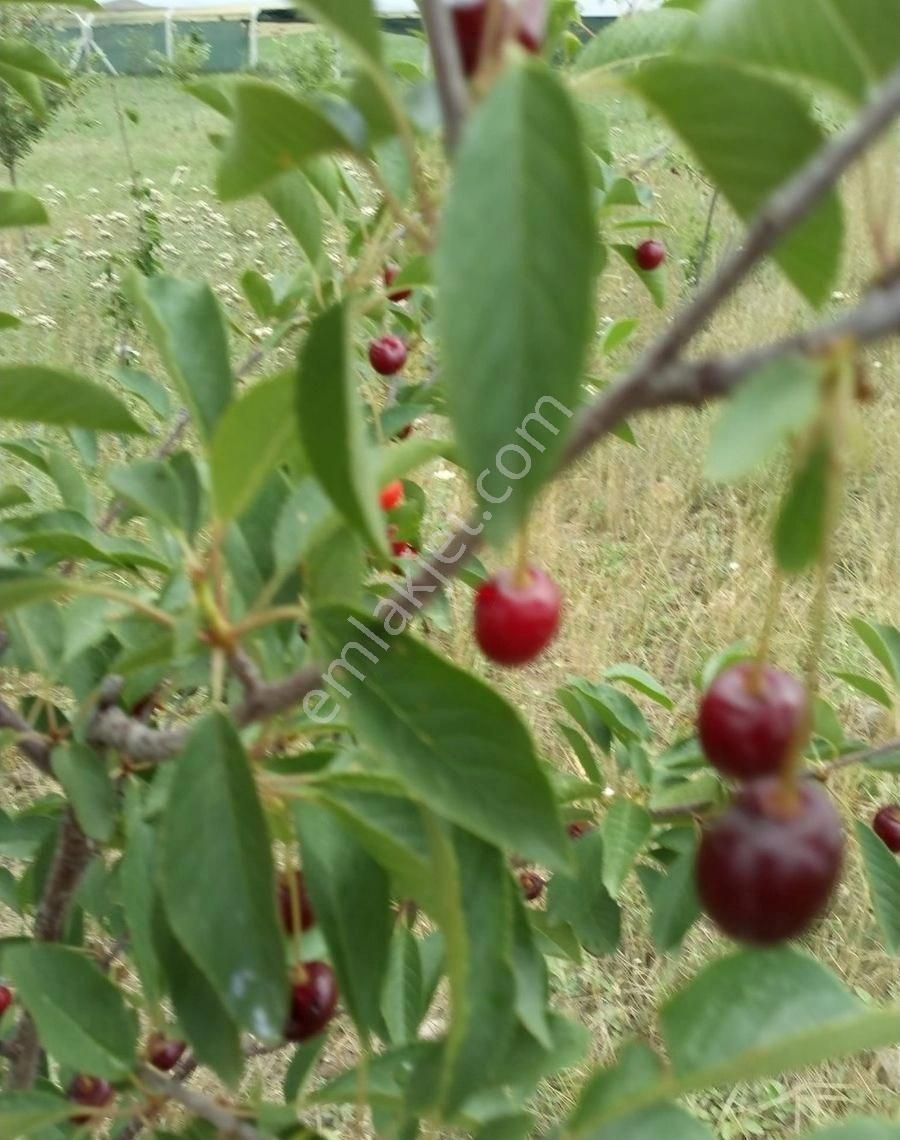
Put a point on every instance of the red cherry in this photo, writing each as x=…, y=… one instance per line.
x=404, y=549
x=515, y=620
x=391, y=496
x=469, y=19
x=532, y=885
x=532, y=24
x=286, y=903
x=650, y=254
x=579, y=827
x=767, y=866
x=751, y=720
x=886, y=826
x=387, y=355
x=92, y=1092
x=163, y=1052
x=313, y=1002
x=391, y=273
x=6, y=998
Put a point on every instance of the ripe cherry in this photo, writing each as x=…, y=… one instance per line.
x=391, y=273
x=579, y=827
x=92, y=1092
x=286, y=902
x=313, y=1002
x=515, y=620
x=391, y=496
x=650, y=254
x=886, y=826
x=751, y=720
x=387, y=355
x=532, y=885
x=163, y=1052
x=767, y=866
x=6, y=998
x=469, y=20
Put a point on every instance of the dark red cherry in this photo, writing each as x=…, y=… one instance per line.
x=767, y=866
x=313, y=1002
x=163, y=1052
x=886, y=826
x=286, y=902
x=387, y=355
x=6, y=999
x=391, y=273
x=469, y=22
x=516, y=619
x=650, y=254
x=92, y=1092
x=752, y=719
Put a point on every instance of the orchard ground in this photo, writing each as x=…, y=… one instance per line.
x=658, y=567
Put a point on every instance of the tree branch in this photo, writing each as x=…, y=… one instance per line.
x=33, y=746
x=218, y=1115
x=448, y=71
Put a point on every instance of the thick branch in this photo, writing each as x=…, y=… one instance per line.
x=217, y=1114
x=31, y=744
x=448, y=71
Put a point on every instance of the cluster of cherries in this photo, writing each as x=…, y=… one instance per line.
x=162, y=1052
x=767, y=866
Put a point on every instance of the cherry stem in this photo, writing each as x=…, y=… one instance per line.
x=522, y=575
x=773, y=608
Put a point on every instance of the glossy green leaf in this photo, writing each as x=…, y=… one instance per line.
x=874, y=26
x=86, y=781
x=272, y=132
x=332, y=428
x=673, y=898
x=637, y=1068
x=618, y=711
x=12, y=495
x=717, y=109
x=80, y=1014
x=533, y=211
x=137, y=873
x=582, y=750
x=151, y=488
x=69, y=481
x=258, y=291
x=401, y=1001
x=530, y=974
x=354, y=21
x=869, y=687
x=806, y=40
x=220, y=902
x=479, y=771
x=350, y=894
x=251, y=439
x=641, y=680
x=516, y=1127
x=800, y=526
x=635, y=38
x=768, y=409
x=293, y=200
x=27, y=57
x=20, y=587
x=32, y=393
x=584, y=902
x=626, y=828
x=22, y=1113
x=301, y=1067
x=883, y=642
x=185, y=322
x=153, y=394
x=883, y=876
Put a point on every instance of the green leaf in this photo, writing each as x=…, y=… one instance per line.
x=12, y=496
x=20, y=209
x=533, y=211
x=807, y=41
x=354, y=20
x=301, y=1066
x=9, y=321
x=582, y=750
x=642, y=681
x=152, y=488
x=272, y=132
x=769, y=408
x=875, y=27
x=186, y=325
x=883, y=876
x=80, y=1015
x=293, y=200
x=673, y=897
x=637, y=1068
x=25, y=1112
x=258, y=292
x=584, y=902
x=883, y=642
x=26, y=57
x=652, y=1123
x=626, y=828
x=137, y=874
x=85, y=780
x=800, y=527
x=717, y=109
x=217, y=878
x=653, y=280
x=351, y=898
x=516, y=1127
x=332, y=428
x=530, y=973
x=635, y=38
x=153, y=394
x=20, y=587
x=868, y=687
x=250, y=441
x=479, y=771
x=31, y=393
x=857, y=1128
x=401, y=1002
x=618, y=712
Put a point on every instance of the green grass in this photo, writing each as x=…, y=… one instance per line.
x=658, y=567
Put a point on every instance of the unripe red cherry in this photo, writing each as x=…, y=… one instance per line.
x=391, y=496
x=286, y=902
x=391, y=273
x=886, y=826
x=313, y=1002
x=515, y=620
x=163, y=1052
x=92, y=1092
x=532, y=885
x=767, y=866
x=650, y=254
x=387, y=355
x=6, y=998
x=579, y=827
x=752, y=719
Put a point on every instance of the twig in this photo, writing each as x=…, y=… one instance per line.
x=217, y=1114
x=31, y=744
x=866, y=756
x=448, y=71
x=707, y=235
